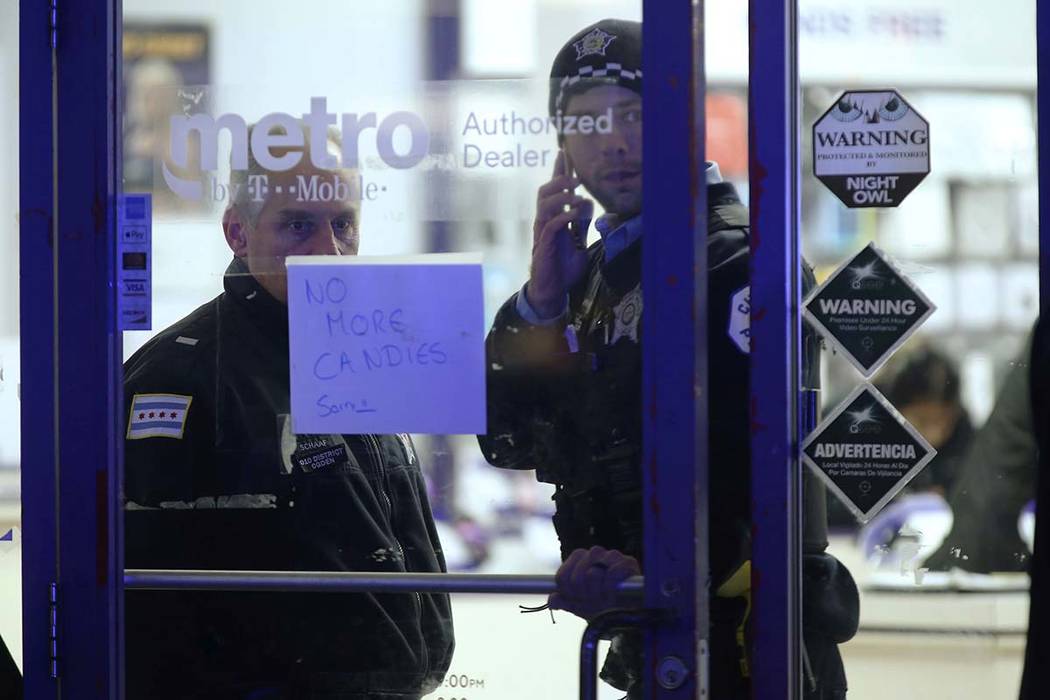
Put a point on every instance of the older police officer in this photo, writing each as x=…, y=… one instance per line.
x=216, y=479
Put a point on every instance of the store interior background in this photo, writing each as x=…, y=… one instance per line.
x=967, y=236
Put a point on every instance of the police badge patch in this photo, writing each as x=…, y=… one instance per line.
x=626, y=316
x=595, y=42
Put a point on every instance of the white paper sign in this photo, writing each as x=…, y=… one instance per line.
x=387, y=344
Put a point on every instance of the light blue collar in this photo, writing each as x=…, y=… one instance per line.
x=616, y=239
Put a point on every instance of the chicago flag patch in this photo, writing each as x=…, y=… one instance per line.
x=158, y=415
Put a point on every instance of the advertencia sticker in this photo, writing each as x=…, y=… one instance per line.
x=871, y=148
x=867, y=309
x=866, y=452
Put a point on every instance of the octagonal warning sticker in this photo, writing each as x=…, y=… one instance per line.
x=866, y=452
x=867, y=309
x=871, y=148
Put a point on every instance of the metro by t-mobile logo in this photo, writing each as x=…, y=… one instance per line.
x=279, y=130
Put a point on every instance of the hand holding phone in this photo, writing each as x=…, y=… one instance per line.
x=559, y=256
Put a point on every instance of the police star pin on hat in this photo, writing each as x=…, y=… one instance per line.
x=593, y=43
x=608, y=52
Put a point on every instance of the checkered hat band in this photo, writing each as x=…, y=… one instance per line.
x=609, y=70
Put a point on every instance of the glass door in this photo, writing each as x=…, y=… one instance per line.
x=919, y=195
x=326, y=221
x=363, y=456
x=290, y=262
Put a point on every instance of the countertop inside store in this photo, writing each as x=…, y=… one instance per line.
x=949, y=636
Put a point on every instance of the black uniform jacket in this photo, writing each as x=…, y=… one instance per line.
x=564, y=399
x=238, y=490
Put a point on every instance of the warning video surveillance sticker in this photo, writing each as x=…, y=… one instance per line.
x=867, y=309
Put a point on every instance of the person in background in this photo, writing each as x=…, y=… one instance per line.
x=993, y=483
x=215, y=478
x=564, y=379
x=924, y=386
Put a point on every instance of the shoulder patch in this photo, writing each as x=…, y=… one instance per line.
x=740, y=319
x=158, y=415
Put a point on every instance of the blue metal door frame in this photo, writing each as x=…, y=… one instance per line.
x=89, y=348
x=37, y=335
x=674, y=360
x=773, y=115
x=71, y=350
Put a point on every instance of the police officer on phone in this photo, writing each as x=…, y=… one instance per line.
x=564, y=359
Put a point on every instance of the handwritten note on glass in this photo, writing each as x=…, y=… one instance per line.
x=387, y=344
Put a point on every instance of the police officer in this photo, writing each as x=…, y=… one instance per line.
x=216, y=479
x=564, y=359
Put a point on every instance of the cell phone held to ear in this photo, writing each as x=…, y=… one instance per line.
x=577, y=229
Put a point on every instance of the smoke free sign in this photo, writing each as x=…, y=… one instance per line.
x=871, y=148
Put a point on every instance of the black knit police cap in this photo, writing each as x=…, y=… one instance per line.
x=607, y=52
